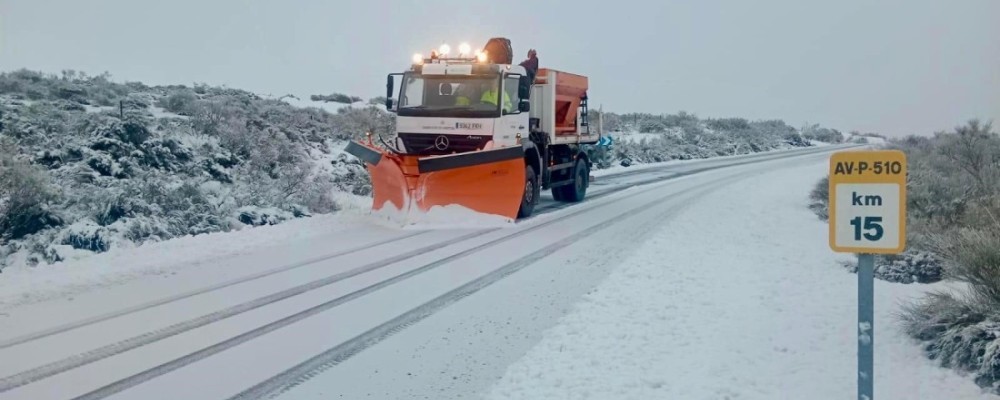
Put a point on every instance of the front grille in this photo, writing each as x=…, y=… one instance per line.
x=424, y=143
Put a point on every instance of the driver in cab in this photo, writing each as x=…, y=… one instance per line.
x=489, y=96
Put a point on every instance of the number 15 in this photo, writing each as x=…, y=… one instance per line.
x=870, y=224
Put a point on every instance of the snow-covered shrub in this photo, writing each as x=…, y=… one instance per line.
x=26, y=197
x=351, y=175
x=138, y=101
x=353, y=122
x=728, y=124
x=819, y=199
x=86, y=235
x=257, y=216
x=337, y=98
x=166, y=153
x=181, y=101
x=599, y=156
x=958, y=334
x=651, y=126
x=913, y=266
x=818, y=133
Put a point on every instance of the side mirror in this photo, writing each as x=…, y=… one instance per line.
x=524, y=106
x=524, y=87
x=389, y=84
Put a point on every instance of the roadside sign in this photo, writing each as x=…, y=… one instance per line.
x=868, y=202
x=867, y=216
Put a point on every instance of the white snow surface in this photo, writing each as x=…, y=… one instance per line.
x=738, y=298
x=25, y=285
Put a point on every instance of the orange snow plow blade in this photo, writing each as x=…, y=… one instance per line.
x=487, y=181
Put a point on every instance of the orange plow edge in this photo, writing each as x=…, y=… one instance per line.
x=486, y=181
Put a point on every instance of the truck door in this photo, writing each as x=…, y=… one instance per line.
x=512, y=121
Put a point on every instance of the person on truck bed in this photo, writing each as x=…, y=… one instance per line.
x=531, y=64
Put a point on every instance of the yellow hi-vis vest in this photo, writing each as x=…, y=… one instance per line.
x=490, y=96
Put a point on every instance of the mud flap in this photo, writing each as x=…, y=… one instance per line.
x=488, y=181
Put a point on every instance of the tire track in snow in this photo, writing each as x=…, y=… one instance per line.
x=312, y=367
x=188, y=359
x=115, y=314
x=100, y=353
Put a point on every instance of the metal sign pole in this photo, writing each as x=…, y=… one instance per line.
x=866, y=326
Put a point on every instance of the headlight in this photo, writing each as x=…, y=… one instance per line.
x=481, y=57
x=418, y=58
x=464, y=49
x=444, y=49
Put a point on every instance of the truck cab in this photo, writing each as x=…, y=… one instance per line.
x=454, y=107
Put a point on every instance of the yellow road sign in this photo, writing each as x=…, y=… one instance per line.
x=868, y=201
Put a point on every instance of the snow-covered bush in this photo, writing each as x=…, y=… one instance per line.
x=337, y=98
x=819, y=199
x=962, y=330
x=351, y=175
x=958, y=336
x=818, y=133
x=26, y=197
x=180, y=101
x=913, y=266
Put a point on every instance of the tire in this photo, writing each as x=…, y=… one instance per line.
x=557, y=193
x=581, y=179
x=530, y=197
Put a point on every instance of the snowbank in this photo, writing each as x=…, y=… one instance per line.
x=759, y=312
x=451, y=216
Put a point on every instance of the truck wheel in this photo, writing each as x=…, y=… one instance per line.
x=558, y=193
x=530, y=193
x=581, y=179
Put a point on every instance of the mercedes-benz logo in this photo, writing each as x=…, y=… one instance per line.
x=441, y=142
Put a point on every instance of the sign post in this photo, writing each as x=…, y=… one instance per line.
x=867, y=216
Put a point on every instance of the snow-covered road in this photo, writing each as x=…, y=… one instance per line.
x=340, y=307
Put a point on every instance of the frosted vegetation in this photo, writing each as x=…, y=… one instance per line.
x=88, y=164
x=684, y=136
x=953, y=205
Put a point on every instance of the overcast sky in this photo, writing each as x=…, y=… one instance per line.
x=895, y=67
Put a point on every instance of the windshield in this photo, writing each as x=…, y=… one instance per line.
x=449, y=95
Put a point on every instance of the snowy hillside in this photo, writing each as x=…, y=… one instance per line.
x=90, y=164
x=646, y=138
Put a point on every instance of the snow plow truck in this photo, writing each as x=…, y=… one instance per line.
x=477, y=131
